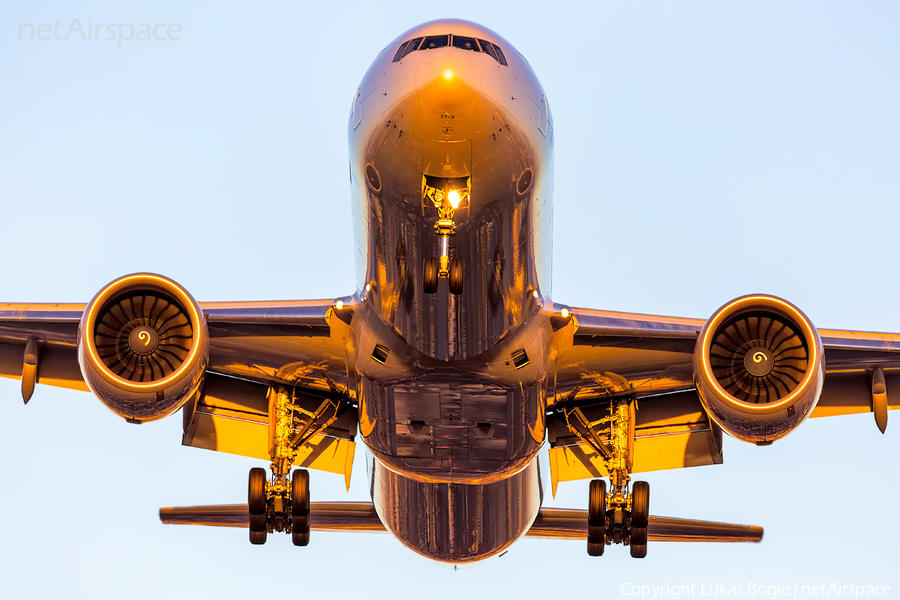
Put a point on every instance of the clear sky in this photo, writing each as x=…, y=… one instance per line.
x=704, y=150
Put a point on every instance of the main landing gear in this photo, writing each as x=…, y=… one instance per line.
x=618, y=519
x=273, y=506
x=281, y=503
x=620, y=515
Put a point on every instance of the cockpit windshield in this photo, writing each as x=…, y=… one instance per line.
x=466, y=43
x=435, y=41
x=457, y=41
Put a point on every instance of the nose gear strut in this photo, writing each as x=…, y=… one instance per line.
x=446, y=201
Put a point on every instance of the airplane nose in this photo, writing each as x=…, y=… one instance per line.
x=448, y=81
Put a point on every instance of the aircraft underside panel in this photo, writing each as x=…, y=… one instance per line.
x=460, y=429
x=457, y=522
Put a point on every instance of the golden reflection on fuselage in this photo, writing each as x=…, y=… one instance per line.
x=487, y=121
x=440, y=120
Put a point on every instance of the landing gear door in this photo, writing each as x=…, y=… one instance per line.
x=447, y=159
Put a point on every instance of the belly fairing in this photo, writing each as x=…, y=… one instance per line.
x=456, y=522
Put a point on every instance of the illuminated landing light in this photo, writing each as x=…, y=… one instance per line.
x=339, y=304
x=565, y=313
x=454, y=199
x=448, y=74
x=368, y=286
x=534, y=293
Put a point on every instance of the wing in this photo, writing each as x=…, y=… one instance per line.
x=604, y=354
x=253, y=345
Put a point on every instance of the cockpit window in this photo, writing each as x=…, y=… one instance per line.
x=407, y=47
x=400, y=50
x=411, y=46
x=488, y=48
x=435, y=41
x=457, y=41
x=500, y=56
x=466, y=43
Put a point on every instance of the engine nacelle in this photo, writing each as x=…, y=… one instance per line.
x=759, y=368
x=143, y=346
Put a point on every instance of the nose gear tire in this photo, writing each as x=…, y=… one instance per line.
x=430, y=275
x=456, y=276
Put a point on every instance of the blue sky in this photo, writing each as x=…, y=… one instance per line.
x=704, y=150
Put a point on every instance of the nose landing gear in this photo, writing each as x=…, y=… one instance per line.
x=444, y=267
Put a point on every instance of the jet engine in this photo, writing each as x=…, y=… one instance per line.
x=143, y=346
x=758, y=368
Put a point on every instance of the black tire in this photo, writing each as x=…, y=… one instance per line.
x=640, y=504
x=618, y=526
x=596, y=540
x=595, y=548
x=256, y=494
x=300, y=539
x=430, y=275
x=638, y=542
x=597, y=503
x=258, y=538
x=456, y=276
x=638, y=536
x=258, y=531
x=300, y=493
x=300, y=523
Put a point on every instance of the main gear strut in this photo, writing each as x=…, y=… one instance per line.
x=281, y=503
x=620, y=515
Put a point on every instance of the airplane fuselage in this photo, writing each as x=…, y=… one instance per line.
x=452, y=387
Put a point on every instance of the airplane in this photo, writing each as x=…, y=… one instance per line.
x=450, y=359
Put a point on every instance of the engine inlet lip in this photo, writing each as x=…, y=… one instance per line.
x=121, y=287
x=755, y=303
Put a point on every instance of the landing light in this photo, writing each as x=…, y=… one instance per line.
x=565, y=313
x=454, y=199
x=448, y=74
x=339, y=304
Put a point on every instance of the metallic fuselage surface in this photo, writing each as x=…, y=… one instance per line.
x=452, y=387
